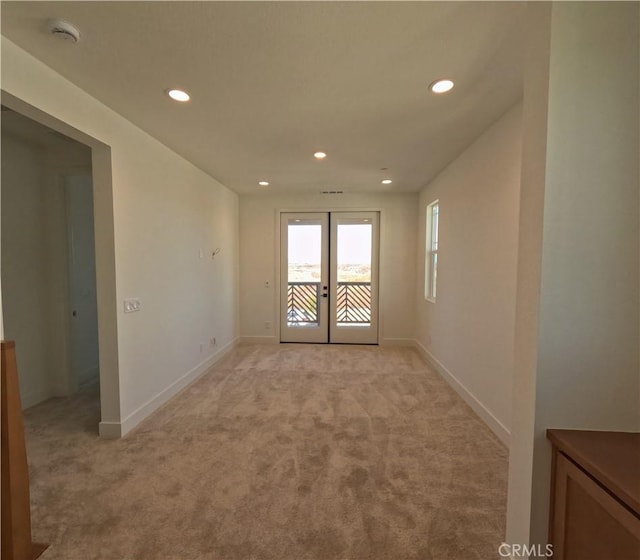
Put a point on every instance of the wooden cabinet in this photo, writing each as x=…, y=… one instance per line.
x=595, y=495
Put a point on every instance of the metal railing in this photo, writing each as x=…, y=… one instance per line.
x=302, y=303
x=353, y=303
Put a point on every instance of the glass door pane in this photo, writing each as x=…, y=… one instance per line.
x=304, y=277
x=354, y=277
x=354, y=274
x=304, y=269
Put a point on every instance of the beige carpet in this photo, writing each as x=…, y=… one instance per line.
x=290, y=452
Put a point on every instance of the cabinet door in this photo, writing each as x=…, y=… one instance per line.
x=588, y=523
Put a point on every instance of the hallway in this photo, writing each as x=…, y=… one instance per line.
x=279, y=452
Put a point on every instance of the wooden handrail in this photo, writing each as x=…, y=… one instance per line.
x=16, y=507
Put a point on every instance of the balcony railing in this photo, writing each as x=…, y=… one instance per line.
x=353, y=304
x=302, y=304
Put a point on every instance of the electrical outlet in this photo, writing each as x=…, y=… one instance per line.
x=212, y=341
x=267, y=325
x=201, y=347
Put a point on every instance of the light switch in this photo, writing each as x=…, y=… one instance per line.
x=132, y=305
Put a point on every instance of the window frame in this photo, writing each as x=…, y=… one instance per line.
x=432, y=225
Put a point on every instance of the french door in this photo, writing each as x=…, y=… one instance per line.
x=329, y=277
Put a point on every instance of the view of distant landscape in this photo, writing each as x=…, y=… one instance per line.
x=346, y=273
x=354, y=253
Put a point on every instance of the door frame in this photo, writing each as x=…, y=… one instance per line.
x=103, y=214
x=354, y=335
x=311, y=334
x=75, y=375
x=277, y=221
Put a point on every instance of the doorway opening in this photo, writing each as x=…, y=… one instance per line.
x=49, y=296
x=329, y=277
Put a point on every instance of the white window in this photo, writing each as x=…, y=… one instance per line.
x=431, y=253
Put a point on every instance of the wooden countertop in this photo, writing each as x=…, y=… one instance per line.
x=613, y=458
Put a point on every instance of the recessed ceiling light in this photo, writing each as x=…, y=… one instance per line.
x=441, y=86
x=178, y=95
x=386, y=181
x=263, y=183
x=319, y=155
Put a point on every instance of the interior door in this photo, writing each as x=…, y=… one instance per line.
x=354, y=277
x=304, y=277
x=82, y=281
x=329, y=277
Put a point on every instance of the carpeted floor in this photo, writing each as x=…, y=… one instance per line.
x=289, y=452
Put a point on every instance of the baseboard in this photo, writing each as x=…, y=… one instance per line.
x=274, y=340
x=121, y=429
x=259, y=340
x=110, y=430
x=32, y=398
x=497, y=427
x=88, y=375
x=397, y=342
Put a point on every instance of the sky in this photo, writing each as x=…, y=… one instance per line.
x=354, y=244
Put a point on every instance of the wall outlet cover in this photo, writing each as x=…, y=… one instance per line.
x=132, y=305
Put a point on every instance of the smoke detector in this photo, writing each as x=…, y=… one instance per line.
x=63, y=30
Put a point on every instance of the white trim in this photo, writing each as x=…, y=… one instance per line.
x=110, y=430
x=89, y=375
x=278, y=257
x=397, y=342
x=430, y=251
x=34, y=397
x=259, y=340
x=497, y=427
x=121, y=429
x=354, y=335
x=312, y=333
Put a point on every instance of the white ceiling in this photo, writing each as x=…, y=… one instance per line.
x=273, y=82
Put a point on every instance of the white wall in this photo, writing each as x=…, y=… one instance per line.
x=259, y=261
x=61, y=160
x=27, y=317
x=34, y=259
x=164, y=211
x=580, y=244
x=468, y=331
x=534, y=145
